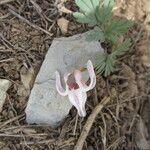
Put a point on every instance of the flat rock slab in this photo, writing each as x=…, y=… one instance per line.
x=45, y=105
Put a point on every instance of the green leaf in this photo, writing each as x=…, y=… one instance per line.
x=112, y=38
x=106, y=29
x=107, y=71
x=109, y=3
x=101, y=63
x=105, y=64
x=87, y=11
x=101, y=68
x=87, y=5
x=110, y=62
x=109, y=65
x=84, y=19
x=121, y=48
x=100, y=59
x=118, y=27
x=104, y=13
x=95, y=35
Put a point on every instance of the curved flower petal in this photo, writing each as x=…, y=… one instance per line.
x=59, y=87
x=78, y=78
x=78, y=99
x=92, y=75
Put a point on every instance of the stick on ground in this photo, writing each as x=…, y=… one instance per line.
x=89, y=123
x=11, y=120
x=29, y=23
x=5, y=2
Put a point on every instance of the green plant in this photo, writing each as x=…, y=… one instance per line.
x=106, y=29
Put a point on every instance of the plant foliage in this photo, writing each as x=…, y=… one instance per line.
x=98, y=14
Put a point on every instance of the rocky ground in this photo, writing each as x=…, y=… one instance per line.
x=27, y=28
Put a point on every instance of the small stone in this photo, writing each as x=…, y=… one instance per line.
x=4, y=85
x=63, y=25
x=45, y=105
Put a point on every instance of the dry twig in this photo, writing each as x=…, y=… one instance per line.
x=39, y=142
x=5, y=40
x=36, y=136
x=75, y=127
x=116, y=142
x=51, y=141
x=28, y=22
x=4, y=16
x=104, y=131
x=37, y=7
x=5, y=1
x=11, y=120
x=89, y=122
x=7, y=60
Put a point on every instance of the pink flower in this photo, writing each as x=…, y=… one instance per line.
x=76, y=89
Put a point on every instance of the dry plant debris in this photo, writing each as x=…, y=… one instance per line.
x=63, y=25
x=27, y=28
x=4, y=85
x=89, y=123
x=61, y=7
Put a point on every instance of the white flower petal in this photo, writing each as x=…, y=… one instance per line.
x=92, y=75
x=78, y=78
x=59, y=87
x=78, y=99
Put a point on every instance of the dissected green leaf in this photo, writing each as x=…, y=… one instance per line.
x=122, y=48
x=109, y=3
x=105, y=64
x=84, y=19
x=98, y=13
x=102, y=15
x=110, y=62
x=100, y=63
x=87, y=6
x=100, y=59
x=109, y=65
x=95, y=35
x=107, y=71
x=101, y=68
x=95, y=3
x=118, y=27
x=104, y=12
x=87, y=11
x=112, y=38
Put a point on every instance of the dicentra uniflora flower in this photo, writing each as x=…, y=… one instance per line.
x=76, y=89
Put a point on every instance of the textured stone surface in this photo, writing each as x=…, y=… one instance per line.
x=45, y=105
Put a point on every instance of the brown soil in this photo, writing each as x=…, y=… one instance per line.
x=124, y=124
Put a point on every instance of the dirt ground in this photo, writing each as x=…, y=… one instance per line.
x=27, y=29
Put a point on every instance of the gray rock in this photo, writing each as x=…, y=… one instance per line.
x=45, y=105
